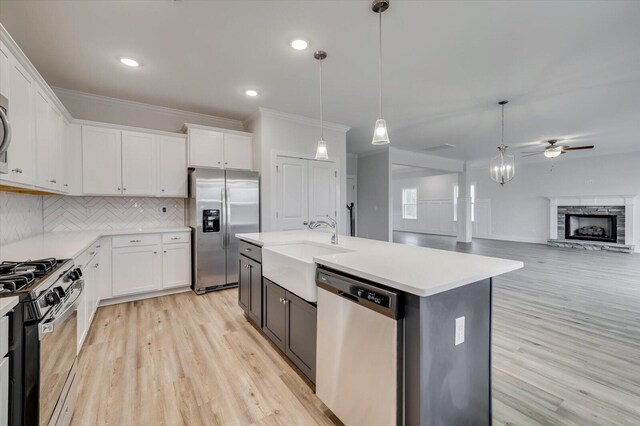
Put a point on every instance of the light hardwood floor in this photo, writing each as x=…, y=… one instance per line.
x=566, y=351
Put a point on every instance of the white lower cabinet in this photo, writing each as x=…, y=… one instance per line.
x=4, y=391
x=176, y=265
x=92, y=273
x=136, y=269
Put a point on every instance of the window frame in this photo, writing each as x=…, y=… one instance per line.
x=405, y=204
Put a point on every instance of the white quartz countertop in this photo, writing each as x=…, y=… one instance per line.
x=6, y=304
x=417, y=270
x=67, y=245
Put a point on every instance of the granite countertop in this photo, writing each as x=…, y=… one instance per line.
x=67, y=245
x=417, y=270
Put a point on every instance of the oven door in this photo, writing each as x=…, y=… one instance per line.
x=5, y=134
x=58, y=345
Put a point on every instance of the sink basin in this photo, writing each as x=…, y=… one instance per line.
x=291, y=266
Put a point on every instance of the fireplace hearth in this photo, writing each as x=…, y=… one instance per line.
x=591, y=227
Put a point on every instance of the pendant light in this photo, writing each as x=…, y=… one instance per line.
x=321, y=150
x=380, y=133
x=502, y=166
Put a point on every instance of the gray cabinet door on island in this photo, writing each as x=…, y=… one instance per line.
x=250, y=289
x=275, y=313
x=301, y=334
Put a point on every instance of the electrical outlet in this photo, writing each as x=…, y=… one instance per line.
x=459, y=330
x=164, y=210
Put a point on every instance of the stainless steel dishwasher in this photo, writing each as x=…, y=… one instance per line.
x=359, y=350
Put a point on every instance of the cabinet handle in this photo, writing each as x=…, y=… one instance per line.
x=281, y=300
x=285, y=301
x=118, y=188
x=218, y=162
x=91, y=253
x=162, y=190
x=165, y=251
x=66, y=184
x=226, y=163
x=96, y=265
x=124, y=189
x=17, y=170
x=53, y=181
x=176, y=238
x=247, y=249
x=155, y=252
x=134, y=241
x=98, y=246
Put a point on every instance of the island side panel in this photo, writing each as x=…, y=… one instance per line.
x=447, y=384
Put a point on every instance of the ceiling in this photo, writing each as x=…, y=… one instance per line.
x=570, y=69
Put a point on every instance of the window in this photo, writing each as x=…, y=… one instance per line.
x=472, y=191
x=410, y=203
x=455, y=202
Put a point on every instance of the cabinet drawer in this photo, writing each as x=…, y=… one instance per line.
x=249, y=250
x=136, y=240
x=176, y=237
x=4, y=336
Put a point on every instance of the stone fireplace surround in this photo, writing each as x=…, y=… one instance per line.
x=622, y=206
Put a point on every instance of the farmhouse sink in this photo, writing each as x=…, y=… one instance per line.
x=291, y=266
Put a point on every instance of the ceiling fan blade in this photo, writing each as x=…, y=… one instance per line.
x=573, y=148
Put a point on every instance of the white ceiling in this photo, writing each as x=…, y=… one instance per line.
x=570, y=69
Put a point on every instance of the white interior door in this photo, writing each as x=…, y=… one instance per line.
x=323, y=176
x=293, y=207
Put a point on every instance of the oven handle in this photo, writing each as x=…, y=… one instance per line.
x=4, y=144
x=71, y=306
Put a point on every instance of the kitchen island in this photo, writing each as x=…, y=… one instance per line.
x=435, y=304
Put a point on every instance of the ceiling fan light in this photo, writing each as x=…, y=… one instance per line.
x=321, y=150
x=380, y=134
x=552, y=152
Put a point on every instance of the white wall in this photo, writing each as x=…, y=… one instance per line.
x=374, y=207
x=86, y=106
x=519, y=211
x=352, y=165
x=435, y=203
x=286, y=134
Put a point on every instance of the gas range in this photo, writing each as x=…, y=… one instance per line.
x=43, y=328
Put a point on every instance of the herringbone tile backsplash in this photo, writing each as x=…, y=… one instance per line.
x=20, y=216
x=64, y=213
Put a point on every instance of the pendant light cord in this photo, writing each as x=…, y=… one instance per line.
x=321, y=119
x=380, y=64
x=503, y=125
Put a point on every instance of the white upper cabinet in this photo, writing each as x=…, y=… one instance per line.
x=49, y=144
x=4, y=70
x=237, y=151
x=21, y=153
x=219, y=148
x=172, y=166
x=138, y=164
x=205, y=148
x=101, y=161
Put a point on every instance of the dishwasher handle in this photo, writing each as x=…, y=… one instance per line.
x=382, y=300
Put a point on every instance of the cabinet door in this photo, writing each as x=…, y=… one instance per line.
x=138, y=163
x=4, y=70
x=5, y=395
x=244, y=284
x=44, y=140
x=205, y=148
x=301, y=334
x=56, y=149
x=101, y=161
x=322, y=190
x=136, y=270
x=21, y=153
x=176, y=265
x=292, y=194
x=172, y=170
x=255, y=290
x=237, y=152
x=274, y=315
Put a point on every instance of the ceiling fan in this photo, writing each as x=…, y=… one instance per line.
x=552, y=150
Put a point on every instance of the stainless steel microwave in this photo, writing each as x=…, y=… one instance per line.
x=5, y=134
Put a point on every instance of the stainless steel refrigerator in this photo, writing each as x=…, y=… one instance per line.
x=221, y=203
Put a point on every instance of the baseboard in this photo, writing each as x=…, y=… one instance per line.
x=142, y=296
x=424, y=232
x=511, y=238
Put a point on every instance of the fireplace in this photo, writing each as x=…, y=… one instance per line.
x=591, y=227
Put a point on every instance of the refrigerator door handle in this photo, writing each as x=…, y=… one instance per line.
x=223, y=214
x=228, y=220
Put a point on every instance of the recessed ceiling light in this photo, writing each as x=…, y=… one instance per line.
x=299, y=44
x=251, y=92
x=130, y=62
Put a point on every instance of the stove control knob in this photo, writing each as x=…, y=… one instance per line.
x=60, y=292
x=52, y=298
x=75, y=274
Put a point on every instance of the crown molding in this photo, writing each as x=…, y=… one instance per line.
x=297, y=119
x=187, y=116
